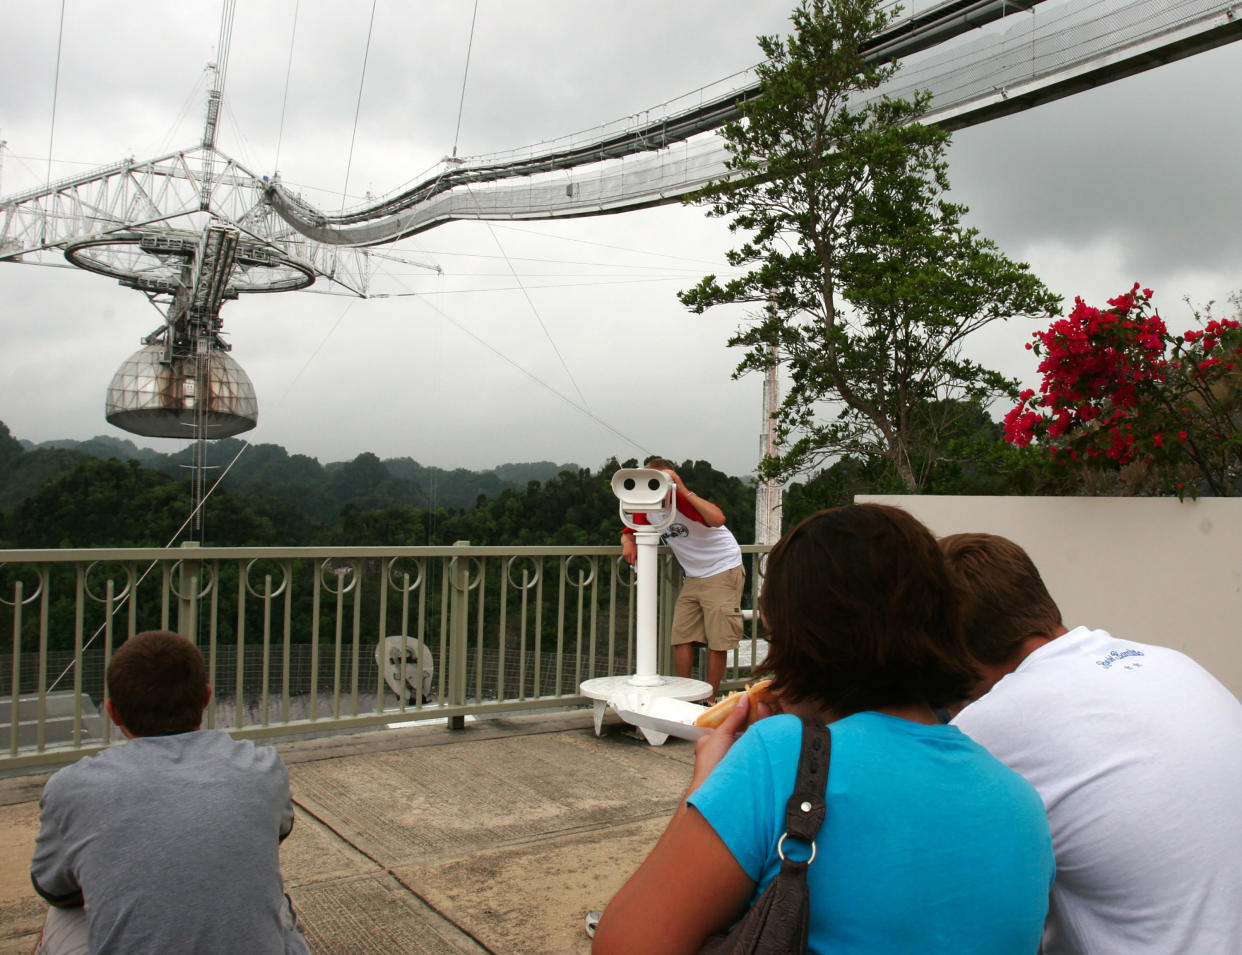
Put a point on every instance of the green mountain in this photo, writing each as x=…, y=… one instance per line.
x=320, y=491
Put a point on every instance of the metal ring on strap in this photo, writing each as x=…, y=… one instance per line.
x=781, y=852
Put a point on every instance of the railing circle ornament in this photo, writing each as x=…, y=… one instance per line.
x=535, y=577
x=126, y=570
x=475, y=564
x=629, y=580
x=41, y=577
x=592, y=564
x=284, y=578
x=207, y=579
x=341, y=571
x=397, y=574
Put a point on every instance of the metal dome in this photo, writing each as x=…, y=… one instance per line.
x=156, y=398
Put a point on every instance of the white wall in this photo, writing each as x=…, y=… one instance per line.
x=1156, y=570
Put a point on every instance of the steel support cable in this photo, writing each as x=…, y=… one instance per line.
x=641, y=280
x=437, y=391
x=422, y=299
x=51, y=133
x=698, y=264
x=150, y=567
x=170, y=137
x=284, y=100
x=1057, y=26
x=225, y=43
x=202, y=501
x=366, y=54
x=461, y=102
x=608, y=245
x=534, y=310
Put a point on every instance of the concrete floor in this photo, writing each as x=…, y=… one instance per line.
x=498, y=837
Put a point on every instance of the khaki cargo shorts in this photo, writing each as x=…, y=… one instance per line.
x=709, y=610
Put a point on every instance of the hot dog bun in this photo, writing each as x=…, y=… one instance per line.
x=758, y=692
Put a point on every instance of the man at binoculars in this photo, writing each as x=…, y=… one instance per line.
x=709, y=609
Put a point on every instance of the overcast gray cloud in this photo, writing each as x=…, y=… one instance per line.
x=1127, y=183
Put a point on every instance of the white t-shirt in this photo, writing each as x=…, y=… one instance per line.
x=1136, y=751
x=701, y=550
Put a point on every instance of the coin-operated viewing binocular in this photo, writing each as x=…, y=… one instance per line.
x=644, y=491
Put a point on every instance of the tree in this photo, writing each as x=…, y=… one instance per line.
x=869, y=281
x=1122, y=395
x=10, y=448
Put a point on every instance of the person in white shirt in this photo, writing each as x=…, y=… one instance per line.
x=709, y=608
x=1136, y=751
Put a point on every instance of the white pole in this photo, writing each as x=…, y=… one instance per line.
x=645, y=568
x=768, y=493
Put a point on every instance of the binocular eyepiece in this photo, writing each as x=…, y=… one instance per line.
x=642, y=491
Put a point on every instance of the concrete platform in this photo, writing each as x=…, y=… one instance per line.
x=497, y=837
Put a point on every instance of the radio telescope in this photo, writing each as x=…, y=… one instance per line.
x=195, y=228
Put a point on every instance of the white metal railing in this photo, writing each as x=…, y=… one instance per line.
x=291, y=635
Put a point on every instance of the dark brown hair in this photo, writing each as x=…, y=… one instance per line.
x=862, y=615
x=158, y=684
x=1004, y=600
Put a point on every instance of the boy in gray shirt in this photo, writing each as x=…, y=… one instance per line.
x=171, y=841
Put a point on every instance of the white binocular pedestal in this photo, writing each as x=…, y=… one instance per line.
x=649, y=492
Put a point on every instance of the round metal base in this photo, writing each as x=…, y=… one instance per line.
x=601, y=689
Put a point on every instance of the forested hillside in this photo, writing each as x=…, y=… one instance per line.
x=107, y=492
x=321, y=490
x=63, y=496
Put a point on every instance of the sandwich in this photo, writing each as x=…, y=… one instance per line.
x=759, y=692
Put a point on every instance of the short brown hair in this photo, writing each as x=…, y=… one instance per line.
x=862, y=614
x=660, y=464
x=158, y=684
x=1004, y=600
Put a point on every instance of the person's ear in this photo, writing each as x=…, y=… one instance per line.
x=115, y=717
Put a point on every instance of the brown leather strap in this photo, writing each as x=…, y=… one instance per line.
x=804, y=813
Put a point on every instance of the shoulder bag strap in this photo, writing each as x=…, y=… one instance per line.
x=804, y=813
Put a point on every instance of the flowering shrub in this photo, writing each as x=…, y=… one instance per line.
x=1119, y=391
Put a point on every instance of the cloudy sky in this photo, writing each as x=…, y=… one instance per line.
x=556, y=340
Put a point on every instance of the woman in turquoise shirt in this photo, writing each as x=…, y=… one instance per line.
x=929, y=844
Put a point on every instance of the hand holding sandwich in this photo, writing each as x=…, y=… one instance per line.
x=710, y=748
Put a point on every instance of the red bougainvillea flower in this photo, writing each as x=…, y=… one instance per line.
x=1115, y=385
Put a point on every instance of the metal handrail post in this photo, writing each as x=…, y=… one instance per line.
x=459, y=631
x=188, y=577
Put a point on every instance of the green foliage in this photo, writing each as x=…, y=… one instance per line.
x=869, y=281
x=10, y=448
x=26, y=474
x=120, y=504
x=973, y=459
x=320, y=492
x=1123, y=397
x=573, y=508
x=115, y=504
